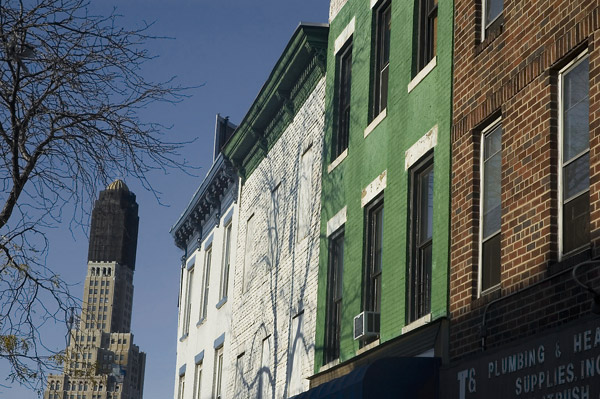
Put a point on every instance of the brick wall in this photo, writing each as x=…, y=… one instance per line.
x=282, y=280
x=512, y=74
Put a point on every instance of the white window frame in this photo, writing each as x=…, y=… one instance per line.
x=197, y=380
x=218, y=373
x=206, y=283
x=248, y=251
x=188, y=300
x=566, y=69
x=180, y=388
x=226, y=261
x=484, y=133
x=304, y=194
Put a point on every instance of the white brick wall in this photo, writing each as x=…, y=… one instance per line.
x=282, y=280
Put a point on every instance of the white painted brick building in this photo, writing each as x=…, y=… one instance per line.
x=275, y=283
x=207, y=232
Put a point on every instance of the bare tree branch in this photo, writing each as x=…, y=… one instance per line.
x=71, y=89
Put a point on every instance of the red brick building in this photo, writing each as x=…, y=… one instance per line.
x=525, y=199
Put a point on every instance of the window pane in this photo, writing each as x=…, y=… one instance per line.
x=491, y=195
x=426, y=206
x=490, y=271
x=576, y=85
x=378, y=240
x=493, y=142
x=576, y=222
x=493, y=8
x=576, y=176
x=576, y=130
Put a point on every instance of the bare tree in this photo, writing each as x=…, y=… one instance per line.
x=70, y=91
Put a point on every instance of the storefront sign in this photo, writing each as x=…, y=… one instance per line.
x=561, y=365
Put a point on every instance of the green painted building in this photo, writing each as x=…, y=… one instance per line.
x=383, y=265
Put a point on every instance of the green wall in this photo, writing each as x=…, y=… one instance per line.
x=409, y=117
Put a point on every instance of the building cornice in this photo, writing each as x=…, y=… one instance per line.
x=291, y=81
x=205, y=202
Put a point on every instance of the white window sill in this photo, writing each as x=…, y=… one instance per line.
x=184, y=337
x=329, y=365
x=375, y=122
x=368, y=347
x=200, y=322
x=490, y=290
x=422, y=74
x=337, y=161
x=417, y=323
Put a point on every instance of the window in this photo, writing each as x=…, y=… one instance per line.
x=381, y=57
x=180, y=389
x=305, y=194
x=197, y=380
x=264, y=382
x=574, y=154
x=239, y=375
x=427, y=35
x=334, y=296
x=374, y=255
x=344, y=80
x=207, y=260
x=188, y=302
x=491, y=211
x=226, y=262
x=248, y=251
x=421, y=240
x=218, y=377
x=295, y=382
x=492, y=12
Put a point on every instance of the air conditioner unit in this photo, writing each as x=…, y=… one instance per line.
x=366, y=325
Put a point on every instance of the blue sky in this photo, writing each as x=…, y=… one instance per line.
x=229, y=47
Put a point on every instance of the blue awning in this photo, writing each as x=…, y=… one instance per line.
x=396, y=377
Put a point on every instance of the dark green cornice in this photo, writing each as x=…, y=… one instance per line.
x=291, y=81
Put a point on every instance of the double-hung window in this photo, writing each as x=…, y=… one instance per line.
x=218, y=374
x=248, y=251
x=491, y=211
x=334, y=296
x=344, y=80
x=373, y=255
x=574, y=154
x=492, y=14
x=197, y=380
x=381, y=57
x=421, y=239
x=427, y=34
x=226, y=263
x=305, y=194
x=188, y=301
x=264, y=381
x=180, y=389
x=207, y=262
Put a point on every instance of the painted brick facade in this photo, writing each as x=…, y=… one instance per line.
x=512, y=74
x=281, y=284
x=380, y=145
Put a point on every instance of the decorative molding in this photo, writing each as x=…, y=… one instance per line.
x=421, y=147
x=374, y=189
x=346, y=34
x=337, y=221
